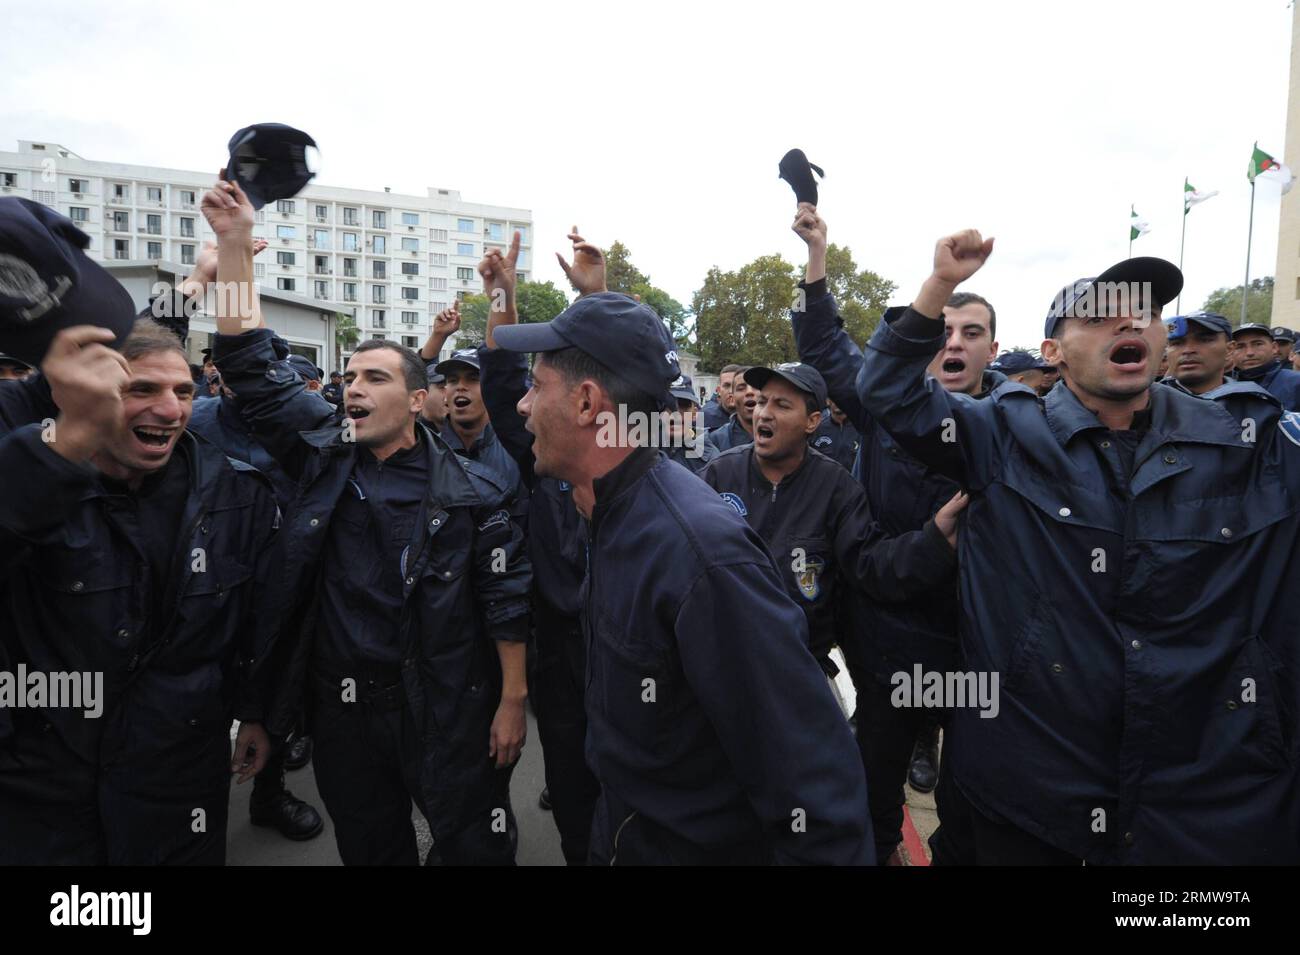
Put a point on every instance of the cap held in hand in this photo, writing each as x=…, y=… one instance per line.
x=48, y=283
x=269, y=161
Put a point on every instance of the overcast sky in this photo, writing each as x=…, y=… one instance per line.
x=661, y=124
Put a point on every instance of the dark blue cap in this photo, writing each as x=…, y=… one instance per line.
x=804, y=377
x=47, y=282
x=435, y=377
x=464, y=357
x=1283, y=334
x=1252, y=327
x=1015, y=362
x=304, y=367
x=682, y=387
x=1091, y=297
x=622, y=334
x=1178, y=325
x=269, y=161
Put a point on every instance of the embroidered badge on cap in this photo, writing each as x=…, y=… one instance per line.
x=18, y=280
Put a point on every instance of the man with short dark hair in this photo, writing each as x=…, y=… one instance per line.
x=333, y=392
x=710, y=747
x=434, y=412
x=739, y=428
x=836, y=437
x=714, y=413
x=1198, y=350
x=1140, y=722
x=1257, y=361
x=409, y=588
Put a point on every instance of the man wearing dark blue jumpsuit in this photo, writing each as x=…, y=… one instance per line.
x=710, y=726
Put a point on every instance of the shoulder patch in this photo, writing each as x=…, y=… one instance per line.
x=736, y=503
x=824, y=441
x=498, y=519
x=1289, y=425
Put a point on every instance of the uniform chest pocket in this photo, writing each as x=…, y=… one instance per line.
x=217, y=576
x=1063, y=503
x=636, y=684
x=82, y=570
x=450, y=542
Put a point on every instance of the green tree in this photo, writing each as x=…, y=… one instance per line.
x=539, y=302
x=346, y=336
x=1259, y=305
x=473, y=321
x=620, y=274
x=673, y=312
x=744, y=316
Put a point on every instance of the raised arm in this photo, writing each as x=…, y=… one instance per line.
x=954, y=434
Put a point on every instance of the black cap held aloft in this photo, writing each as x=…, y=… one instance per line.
x=269, y=161
x=798, y=172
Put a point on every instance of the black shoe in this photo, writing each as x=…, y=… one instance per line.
x=294, y=818
x=298, y=753
x=544, y=801
x=924, y=771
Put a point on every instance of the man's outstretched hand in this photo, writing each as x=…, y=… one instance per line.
x=810, y=227
x=499, y=274
x=587, y=273
x=956, y=258
x=228, y=210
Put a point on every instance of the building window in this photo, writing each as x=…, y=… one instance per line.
x=379, y=270
x=410, y=318
x=286, y=232
x=464, y=248
x=349, y=291
x=153, y=193
x=523, y=234
x=322, y=264
x=284, y=205
x=187, y=227
x=378, y=219
x=320, y=239
x=350, y=216
x=77, y=185
x=438, y=285
x=187, y=197
x=410, y=244
x=322, y=289
x=9, y=179
x=378, y=338
x=378, y=293
x=379, y=246
x=464, y=274
x=286, y=258
x=350, y=242
x=121, y=249
x=410, y=268
x=153, y=225
x=46, y=197
x=439, y=258
x=439, y=235
x=410, y=294
x=496, y=231
x=154, y=250
x=259, y=270
x=187, y=255
x=350, y=267
x=78, y=213
x=286, y=284
x=410, y=218
x=409, y=341
x=121, y=192
x=377, y=318
x=322, y=213
x=464, y=225
x=121, y=222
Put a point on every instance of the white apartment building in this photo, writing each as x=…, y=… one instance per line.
x=390, y=261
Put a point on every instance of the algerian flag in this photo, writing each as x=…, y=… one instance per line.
x=1260, y=161
x=1192, y=196
x=1137, y=226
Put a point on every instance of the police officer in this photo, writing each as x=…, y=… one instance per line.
x=434, y=412
x=688, y=446
x=1140, y=721
x=1257, y=362
x=333, y=392
x=813, y=516
x=739, y=428
x=12, y=368
x=409, y=588
x=710, y=726
x=1285, y=339
x=717, y=409
x=898, y=744
x=1024, y=367
x=557, y=546
x=1198, y=350
x=836, y=437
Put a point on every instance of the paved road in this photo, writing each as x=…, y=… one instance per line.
x=539, y=843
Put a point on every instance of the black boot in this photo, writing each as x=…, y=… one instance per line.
x=544, y=800
x=282, y=810
x=298, y=753
x=924, y=771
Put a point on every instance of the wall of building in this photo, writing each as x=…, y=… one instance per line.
x=1286, y=287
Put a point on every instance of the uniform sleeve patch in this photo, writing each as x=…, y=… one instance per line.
x=736, y=503
x=498, y=519
x=1289, y=425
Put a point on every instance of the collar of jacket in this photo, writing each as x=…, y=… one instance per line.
x=1255, y=374
x=608, y=488
x=1176, y=416
x=990, y=380
x=449, y=434
x=761, y=479
x=188, y=444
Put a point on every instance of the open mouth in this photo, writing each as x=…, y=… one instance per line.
x=461, y=402
x=953, y=366
x=155, y=438
x=356, y=412
x=1131, y=354
x=764, y=432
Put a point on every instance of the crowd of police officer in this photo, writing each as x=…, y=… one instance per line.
x=377, y=573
